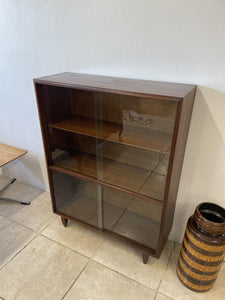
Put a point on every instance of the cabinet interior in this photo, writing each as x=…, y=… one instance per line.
x=122, y=140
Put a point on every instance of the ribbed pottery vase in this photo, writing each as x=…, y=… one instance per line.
x=203, y=248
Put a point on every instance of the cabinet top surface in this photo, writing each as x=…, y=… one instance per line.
x=114, y=84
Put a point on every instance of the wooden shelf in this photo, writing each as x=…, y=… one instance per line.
x=131, y=135
x=116, y=219
x=135, y=179
x=85, y=208
x=134, y=156
x=138, y=228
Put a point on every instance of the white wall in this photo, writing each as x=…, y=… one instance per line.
x=180, y=41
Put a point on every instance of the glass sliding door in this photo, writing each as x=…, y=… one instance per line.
x=137, y=135
x=76, y=198
x=132, y=217
x=110, y=156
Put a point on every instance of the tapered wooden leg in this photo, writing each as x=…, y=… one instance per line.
x=145, y=257
x=64, y=221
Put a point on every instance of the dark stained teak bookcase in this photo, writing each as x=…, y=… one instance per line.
x=114, y=149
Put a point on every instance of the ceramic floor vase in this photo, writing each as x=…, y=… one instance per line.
x=203, y=248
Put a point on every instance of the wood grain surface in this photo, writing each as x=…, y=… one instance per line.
x=9, y=153
x=163, y=90
x=124, y=134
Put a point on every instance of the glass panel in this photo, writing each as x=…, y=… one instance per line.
x=126, y=215
x=76, y=198
x=138, y=122
x=138, y=170
x=137, y=135
x=121, y=140
x=132, y=217
x=69, y=132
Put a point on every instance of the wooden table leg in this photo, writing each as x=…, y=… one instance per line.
x=145, y=257
x=64, y=221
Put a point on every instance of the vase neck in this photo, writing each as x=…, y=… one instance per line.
x=210, y=218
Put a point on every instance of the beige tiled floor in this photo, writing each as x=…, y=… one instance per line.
x=40, y=259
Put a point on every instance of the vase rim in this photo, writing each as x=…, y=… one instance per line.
x=210, y=217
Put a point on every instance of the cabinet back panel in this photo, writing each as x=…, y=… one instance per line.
x=129, y=155
x=117, y=108
x=83, y=103
x=63, y=103
x=56, y=103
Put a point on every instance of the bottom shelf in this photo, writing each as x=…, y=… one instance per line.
x=85, y=208
x=123, y=214
x=138, y=228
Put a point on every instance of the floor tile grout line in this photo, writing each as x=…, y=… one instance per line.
x=4, y=208
x=158, y=292
x=165, y=295
x=124, y=275
x=76, y=279
x=36, y=231
x=104, y=239
x=41, y=230
x=35, y=236
x=89, y=258
x=17, y=253
x=75, y=251
x=155, y=290
x=92, y=259
x=41, y=233
x=160, y=283
x=7, y=218
x=30, y=200
x=171, y=253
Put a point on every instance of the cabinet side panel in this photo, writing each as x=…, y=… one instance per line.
x=43, y=125
x=42, y=119
x=170, y=202
x=40, y=97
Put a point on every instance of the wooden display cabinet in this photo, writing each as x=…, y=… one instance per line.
x=114, y=150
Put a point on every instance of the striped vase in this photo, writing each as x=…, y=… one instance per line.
x=203, y=248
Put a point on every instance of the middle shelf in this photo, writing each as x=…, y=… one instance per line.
x=136, y=136
x=149, y=181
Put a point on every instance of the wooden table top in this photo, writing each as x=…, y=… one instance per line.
x=9, y=153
